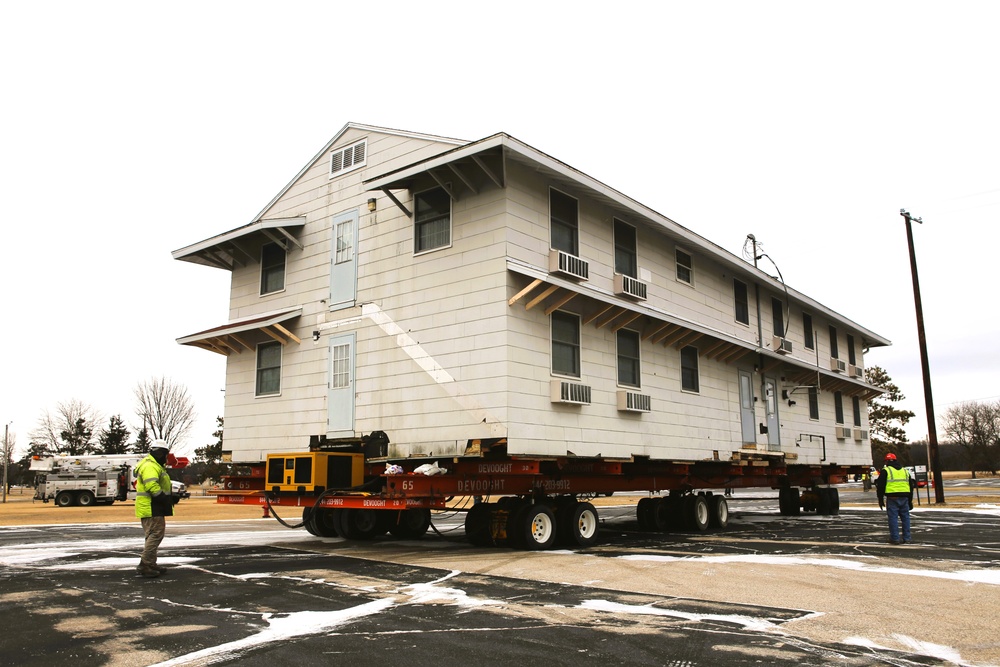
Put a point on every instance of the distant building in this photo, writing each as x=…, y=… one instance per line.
x=448, y=292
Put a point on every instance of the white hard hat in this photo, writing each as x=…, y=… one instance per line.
x=159, y=443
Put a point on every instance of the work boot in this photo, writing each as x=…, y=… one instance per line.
x=161, y=569
x=147, y=571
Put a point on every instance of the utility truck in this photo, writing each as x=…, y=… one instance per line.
x=92, y=479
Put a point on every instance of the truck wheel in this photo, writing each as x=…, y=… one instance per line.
x=307, y=520
x=324, y=522
x=788, y=501
x=644, y=512
x=477, y=525
x=411, y=524
x=828, y=501
x=65, y=499
x=578, y=525
x=696, y=512
x=718, y=516
x=360, y=524
x=85, y=499
x=537, y=526
x=664, y=513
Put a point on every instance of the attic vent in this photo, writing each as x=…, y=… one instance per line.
x=570, y=392
x=629, y=286
x=567, y=264
x=346, y=159
x=630, y=401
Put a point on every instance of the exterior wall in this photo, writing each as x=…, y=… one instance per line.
x=493, y=368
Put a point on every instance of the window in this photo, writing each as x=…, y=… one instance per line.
x=813, y=403
x=778, y=317
x=807, y=330
x=272, y=268
x=565, y=344
x=856, y=404
x=742, y=302
x=340, y=366
x=628, y=358
x=345, y=242
x=432, y=220
x=685, y=272
x=838, y=406
x=689, y=368
x=625, y=252
x=268, y=369
x=565, y=224
x=851, y=357
x=834, y=351
x=346, y=159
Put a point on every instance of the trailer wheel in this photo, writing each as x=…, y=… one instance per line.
x=411, y=524
x=788, y=501
x=663, y=515
x=536, y=524
x=324, y=522
x=65, y=499
x=477, y=524
x=578, y=525
x=361, y=524
x=828, y=501
x=307, y=520
x=644, y=512
x=718, y=512
x=696, y=512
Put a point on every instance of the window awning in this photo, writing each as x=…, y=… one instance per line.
x=231, y=337
x=229, y=250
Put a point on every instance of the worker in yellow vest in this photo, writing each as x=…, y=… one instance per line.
x=153, y=503
x=895, y=494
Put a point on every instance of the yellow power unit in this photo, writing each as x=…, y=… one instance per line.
x=314, y=472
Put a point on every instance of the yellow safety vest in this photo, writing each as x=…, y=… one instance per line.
x=151, y=479
x=897, y=480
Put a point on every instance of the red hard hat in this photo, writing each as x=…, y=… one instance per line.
x=890, y=457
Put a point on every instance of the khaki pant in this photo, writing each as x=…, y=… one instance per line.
x=154, y=527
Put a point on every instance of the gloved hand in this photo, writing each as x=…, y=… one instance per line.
x=175, y=499
x=911, y=504
x=881, y=506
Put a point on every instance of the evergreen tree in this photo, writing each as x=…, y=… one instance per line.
x=885, y=421
x=114, y=438
x=78, y=440
x=208, y=463
x=142, y=442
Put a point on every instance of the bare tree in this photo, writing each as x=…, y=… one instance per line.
x=165, y=409
x=976, y=427
x=9, y=440
x=69, y=429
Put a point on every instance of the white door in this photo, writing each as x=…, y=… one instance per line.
x=748, y=423
x=340, y=387
x=343, y=261
x=771, y=406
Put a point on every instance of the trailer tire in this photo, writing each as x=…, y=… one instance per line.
x=828, y=501
x=696, y=512
x=579, y=524
x=411, y=524
x=361, y=524
x=718, y=512
x=788, y=501
x=477, y=524
x=644, y=513
x=324, y=522
x=65, y=499
x=536, y=526
x=307, y=520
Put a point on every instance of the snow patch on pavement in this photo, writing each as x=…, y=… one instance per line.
x=970, y=576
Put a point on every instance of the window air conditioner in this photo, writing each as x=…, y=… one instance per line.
x=628, y=286
x=568, y=265
x=837, y=365
x=630, y=401
x=782, y=345
x=570, y=392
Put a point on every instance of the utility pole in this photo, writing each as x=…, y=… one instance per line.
x=932, y=443
x=6, y=458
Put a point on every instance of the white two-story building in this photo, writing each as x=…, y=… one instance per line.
x=449, y=292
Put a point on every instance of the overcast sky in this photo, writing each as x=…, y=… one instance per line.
x=133, y=129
